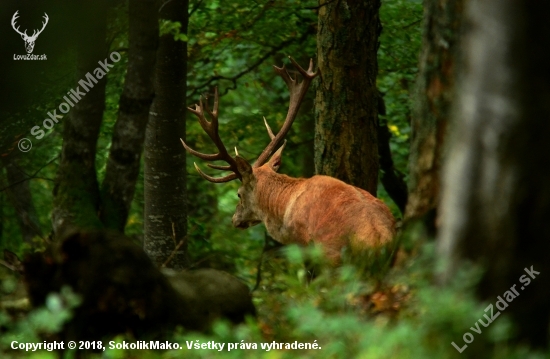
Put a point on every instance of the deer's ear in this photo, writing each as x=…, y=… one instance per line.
x=275, y=160
x=245, y=169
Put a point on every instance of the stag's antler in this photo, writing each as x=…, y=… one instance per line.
x=297, y=93
x=211, y=128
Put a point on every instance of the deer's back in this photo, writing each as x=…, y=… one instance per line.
x=330, y=212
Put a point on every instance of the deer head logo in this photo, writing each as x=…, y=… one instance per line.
x=29, y=40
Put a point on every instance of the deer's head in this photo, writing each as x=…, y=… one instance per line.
x=247, y=213
x=29, y=40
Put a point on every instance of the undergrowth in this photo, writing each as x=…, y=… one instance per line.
x=345, y=313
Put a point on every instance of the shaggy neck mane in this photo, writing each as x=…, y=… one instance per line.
x=273, y=191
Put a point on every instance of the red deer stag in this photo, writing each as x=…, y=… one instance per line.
x=320, y=209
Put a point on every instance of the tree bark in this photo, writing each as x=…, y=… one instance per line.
x=165, y=172
x=129, y=133
x=496, y=193
x=435, y=89
x=76, y=192
x=346, y=143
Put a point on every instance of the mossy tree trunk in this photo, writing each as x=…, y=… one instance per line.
x=496, y=185
x=346, y=143
x=435, y=89
x=165, y=173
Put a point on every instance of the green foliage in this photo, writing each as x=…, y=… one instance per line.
x=397, y=68
x=38, y=324
x=339, y=311
x=398, y=64
x=172, y=28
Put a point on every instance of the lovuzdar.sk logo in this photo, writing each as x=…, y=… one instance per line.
x=29, y=40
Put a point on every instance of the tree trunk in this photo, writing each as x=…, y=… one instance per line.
x=129, y=132
x=346, y=144
x=435, y=90
x=165, y=173
x=496, y=187
x=76, y=192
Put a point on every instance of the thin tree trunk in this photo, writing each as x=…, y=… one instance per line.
x=129, y=132
x=435, y=90
x=76, y=192
x=165, y=172
x=346, y=144
x=495, y=202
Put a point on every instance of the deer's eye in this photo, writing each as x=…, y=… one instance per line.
x=239, y=195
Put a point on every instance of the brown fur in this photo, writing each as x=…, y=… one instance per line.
x=321, y=209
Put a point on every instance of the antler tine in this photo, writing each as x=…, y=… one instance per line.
x=269, y=132
x=303, y=72
x=219, y=167
x=297, y=92
x=207, y=127
x=205, y=124
x=216, y=101
x=211, y=129
x=282, y=71
x=202, y=156
x=214, y=113
x=229, y=177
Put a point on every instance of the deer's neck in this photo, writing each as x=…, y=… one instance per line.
x=273, y=193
